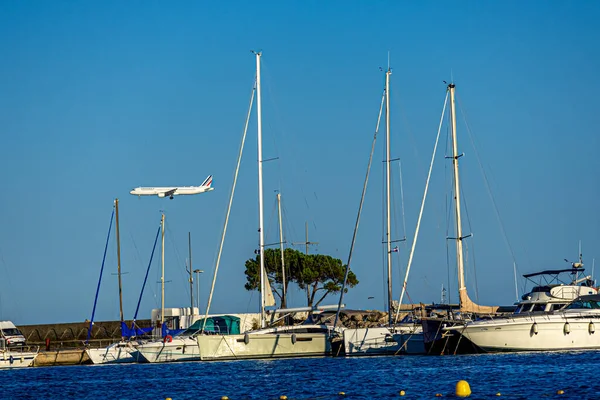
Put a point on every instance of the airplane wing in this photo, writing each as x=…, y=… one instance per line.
x=170, y=192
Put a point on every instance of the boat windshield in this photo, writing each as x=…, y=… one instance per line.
x=11, y=332
x=584, y=304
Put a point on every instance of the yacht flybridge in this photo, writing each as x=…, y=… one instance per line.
x=559, y=313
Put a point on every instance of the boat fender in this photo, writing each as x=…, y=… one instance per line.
x=294, y=338
x=168, y=339
x=567, y=328
x=534, y=328
x=246, y=338
x=591, y=328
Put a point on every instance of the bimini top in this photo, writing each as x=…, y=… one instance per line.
x=555, y=272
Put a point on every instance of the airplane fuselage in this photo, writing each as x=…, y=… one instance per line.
x=170, y=191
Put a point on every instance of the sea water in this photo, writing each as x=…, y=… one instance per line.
x=513, y=376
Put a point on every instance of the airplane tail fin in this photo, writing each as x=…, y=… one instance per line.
x=207, y=182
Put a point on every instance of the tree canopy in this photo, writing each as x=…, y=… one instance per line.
x=319, y=275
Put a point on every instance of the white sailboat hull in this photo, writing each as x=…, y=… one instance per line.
x=179, y=349
x=116, y=353
x=369, y=341
x=17, y=359
x=518, y=334
x=382, y=341
x=256, y=346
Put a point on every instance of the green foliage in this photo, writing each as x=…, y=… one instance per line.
x=319, y=275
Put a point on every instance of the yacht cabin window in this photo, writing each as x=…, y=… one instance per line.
x=538, y=307
x=523, y=308
x=587, y=304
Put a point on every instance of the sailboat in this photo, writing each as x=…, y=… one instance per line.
x=436, y=339
x=123, y=351
x=388, y=339
x=274, y=342
x=16, y=358
x=168, y=347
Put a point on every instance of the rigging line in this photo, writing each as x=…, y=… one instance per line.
x=447, y=217
x=270, y=220
x=139, y=257
x=146, y=276
x=476, y=285
x=402, y=198
x=235, y=176
x=285, y=135
x=487, y=185
x=383, y=225
x=172, y=242
x=362, y=199
x=100, y=279
x=185, y=277
x=414, y=244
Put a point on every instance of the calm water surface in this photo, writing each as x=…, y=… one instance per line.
x=515, y=376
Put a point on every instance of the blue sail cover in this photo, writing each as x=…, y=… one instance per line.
x=172, y=332
x=134, y=330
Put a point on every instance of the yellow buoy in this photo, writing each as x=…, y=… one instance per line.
x=402, y=393
x=498, y=394
x=283, y=397
x=341, y=393
x=438, y=395
x=463, y=389
x=560, y=392
x=224, y=398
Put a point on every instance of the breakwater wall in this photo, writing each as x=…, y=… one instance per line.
x=73, y=335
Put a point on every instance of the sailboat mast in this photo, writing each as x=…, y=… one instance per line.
x=162, y=275
x=260, y=194
x=388, y=180
x=455, y=156
x=466, y=304
x=283, y=298
x=119, y=258
x=191, y=276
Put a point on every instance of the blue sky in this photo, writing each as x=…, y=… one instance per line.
x=99, y=97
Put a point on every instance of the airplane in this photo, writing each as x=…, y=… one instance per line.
x=173, y=190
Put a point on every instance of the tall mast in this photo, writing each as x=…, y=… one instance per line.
x=191, y=276
x=119, y=258
x=466, y=304
x=260, y=193
x=455, y=156
x=162, y=276
x=283, y=298
x=388, y=206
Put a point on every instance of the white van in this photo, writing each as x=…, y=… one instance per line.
x=11, y=335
